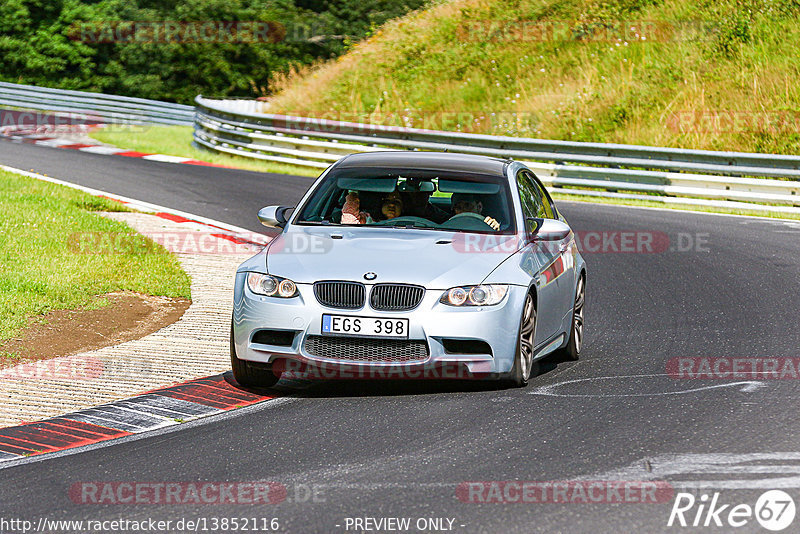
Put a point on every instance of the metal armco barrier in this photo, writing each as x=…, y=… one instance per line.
x=105, y=108
x=666, y=175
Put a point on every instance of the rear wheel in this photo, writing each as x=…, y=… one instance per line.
x=249, y=376
x=523, y=362
x=573, y=349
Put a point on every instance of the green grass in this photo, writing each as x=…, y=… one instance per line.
x=42, y=268
x=453, y=65
x=177, y=141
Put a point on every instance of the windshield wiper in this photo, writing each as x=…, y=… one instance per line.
x=413, y=226
x=318, y=223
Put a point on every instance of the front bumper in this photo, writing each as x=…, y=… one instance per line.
x=432, y=322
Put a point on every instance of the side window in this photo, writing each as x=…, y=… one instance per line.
x=549, y=208
x=535, y=202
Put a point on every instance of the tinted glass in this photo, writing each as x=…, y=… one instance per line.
x=411, y=198
x=535, y=201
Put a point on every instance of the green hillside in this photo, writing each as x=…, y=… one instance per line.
x=703, y=74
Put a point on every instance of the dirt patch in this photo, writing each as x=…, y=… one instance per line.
x=128, y=316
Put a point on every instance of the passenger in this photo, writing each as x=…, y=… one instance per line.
x=392, y=205
x=465, y=204
x=351, y=211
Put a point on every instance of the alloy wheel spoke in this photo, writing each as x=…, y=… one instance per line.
x=527, y=358
x=526, y=338
x=577, y=321
x=579, y=298
x=527, y=329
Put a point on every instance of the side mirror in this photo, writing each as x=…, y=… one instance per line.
x=273, y=216
x=547, y=229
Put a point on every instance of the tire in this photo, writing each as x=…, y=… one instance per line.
x=249, y=376
x=573, y=349
x=523, y=360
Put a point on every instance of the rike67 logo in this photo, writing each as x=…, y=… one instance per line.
x=774, y=510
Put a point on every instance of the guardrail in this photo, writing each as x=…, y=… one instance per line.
x=106, y=108
x=666, y=175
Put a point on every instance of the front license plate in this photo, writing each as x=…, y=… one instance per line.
x=364, y=326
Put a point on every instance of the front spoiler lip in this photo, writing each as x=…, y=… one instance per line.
x=470, y=360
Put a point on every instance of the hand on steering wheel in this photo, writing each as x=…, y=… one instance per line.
x=492, y=222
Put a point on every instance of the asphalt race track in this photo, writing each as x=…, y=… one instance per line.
x=728, y=288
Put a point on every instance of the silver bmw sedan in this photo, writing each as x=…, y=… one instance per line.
x=411, y=265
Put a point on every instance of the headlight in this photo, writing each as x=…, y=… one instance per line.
x=483, y=295
x=271, y=286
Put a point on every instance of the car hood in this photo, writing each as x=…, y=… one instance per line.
x=433, y=259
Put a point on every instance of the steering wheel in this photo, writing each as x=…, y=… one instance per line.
x=407, y=220
x=467, y=221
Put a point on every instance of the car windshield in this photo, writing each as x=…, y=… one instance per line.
x=412, y=198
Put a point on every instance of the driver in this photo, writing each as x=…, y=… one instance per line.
x=418, y=203
x=469, y=205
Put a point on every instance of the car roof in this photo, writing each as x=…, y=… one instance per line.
x=434, y=161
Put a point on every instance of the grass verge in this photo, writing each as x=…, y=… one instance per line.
x=42, y=269
x=177, y=141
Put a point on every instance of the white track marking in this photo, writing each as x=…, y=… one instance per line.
x=105, y=150
x=165, y=158
x=56, y=142
x=747, y=386
x=674, y=467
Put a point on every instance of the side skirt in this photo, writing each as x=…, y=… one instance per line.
x=549, y=347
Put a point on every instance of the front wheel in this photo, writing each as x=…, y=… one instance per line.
x=523, y=361
x=573, y=349
x=247, y=375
